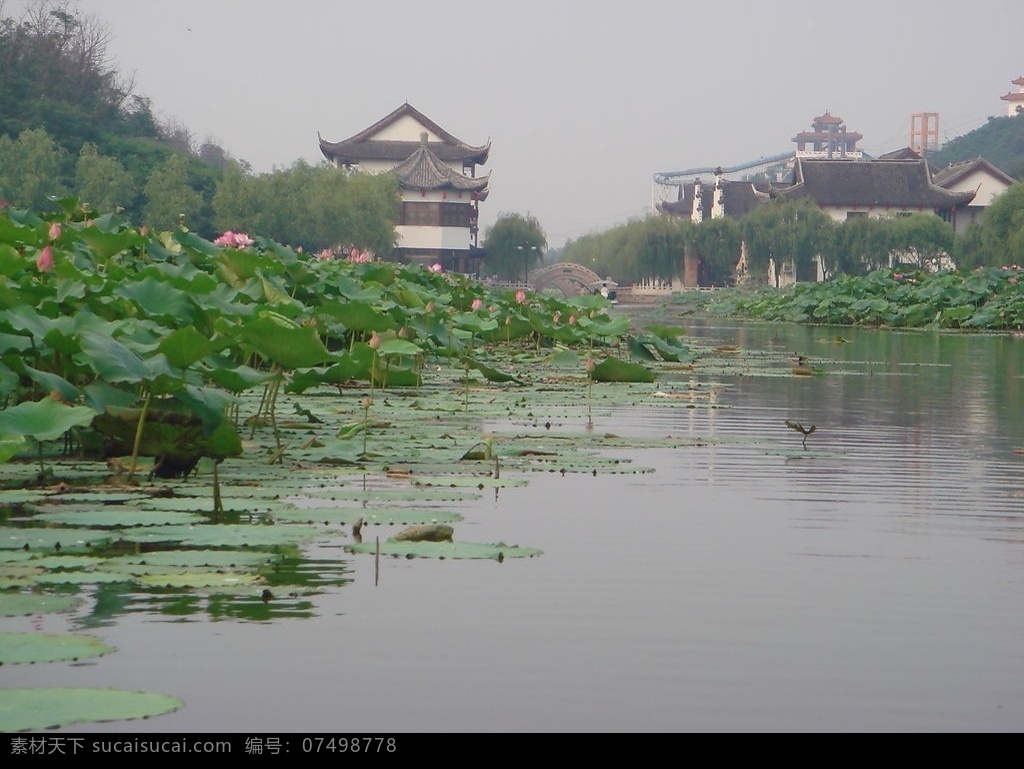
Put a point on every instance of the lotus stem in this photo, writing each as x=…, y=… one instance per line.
x=138, y=435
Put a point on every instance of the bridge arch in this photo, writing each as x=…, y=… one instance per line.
x=569, y=278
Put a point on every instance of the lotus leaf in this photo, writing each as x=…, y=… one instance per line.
x=44, y=420
x=370, y=515
x=48, y=539
x=22, y=604
x=20, y=648
x=198, y=580
x=442, y=550
x=37, y=709
x=222, y=535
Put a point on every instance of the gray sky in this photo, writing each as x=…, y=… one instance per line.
x=583, y=101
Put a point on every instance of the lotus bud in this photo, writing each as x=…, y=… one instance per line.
x=477, y=304
x=54, y=230
x=520, y=297
x=44, y=262
x=375, y=340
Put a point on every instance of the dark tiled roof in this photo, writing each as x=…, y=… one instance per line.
x=363, y=147
x=954, y=172
x=888, y=183
x=423, y=170
x=906, y=153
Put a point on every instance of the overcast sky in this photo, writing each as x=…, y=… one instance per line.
x=583, y=101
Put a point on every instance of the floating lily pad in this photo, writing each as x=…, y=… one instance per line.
x=455, y=550
x=205, y=504
x=469, y=481
x=372, y=515
x=48, y=539
x=22, y=604
x=19, y=648
x=24, y=709
x=198, y=579
x=194, y=558
x=120, y=518
x=222, y=535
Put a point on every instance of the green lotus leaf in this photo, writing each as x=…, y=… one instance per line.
x=20, y=648
x=290, y=346
x=490, y=374
x=81, y=578
x=62, y=561
x=45, y=420
x=158, y=299
x=106, y=244
x=48, y=539
x=222, y=535
x=217, y=559
x=112, y=360
x=38, y=709
x=120, y=518
x=615, y=370
x=316, y=497
x=23, y=604
x=372, y=515
x=198, y=580
x=442, y=550
x=11, y=446
x=204, y=504
x=185, y=346
x=469, y=481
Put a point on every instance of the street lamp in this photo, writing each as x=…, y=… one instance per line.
x=525, y=251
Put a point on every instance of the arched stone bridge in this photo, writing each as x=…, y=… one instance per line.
x=567, y=277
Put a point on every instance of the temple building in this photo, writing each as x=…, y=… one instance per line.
x=437, y=182
x=888, y=186
x=829, y=139
x=1015, y=101
x=978, y=176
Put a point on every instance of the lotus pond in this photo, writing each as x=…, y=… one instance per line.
x=654, y=556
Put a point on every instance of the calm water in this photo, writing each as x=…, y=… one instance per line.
x=874, y=582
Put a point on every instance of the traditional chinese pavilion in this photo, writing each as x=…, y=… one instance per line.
x=1015, y=101
x=829, y=139
x=437, y=182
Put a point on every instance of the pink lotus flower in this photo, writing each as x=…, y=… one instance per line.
x=436, y=267
x=375, y=340
x=234, y=240
x=54, y=230
x=572, y=320
x=520, y=297
x=477, y=304
x=326, y=254
x=44, y=262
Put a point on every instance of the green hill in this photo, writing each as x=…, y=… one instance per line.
x=1000, y=141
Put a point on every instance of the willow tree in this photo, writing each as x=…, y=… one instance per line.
x=791, y=231
x=513, y=244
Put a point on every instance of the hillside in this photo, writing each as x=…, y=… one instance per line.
x=1000, y=141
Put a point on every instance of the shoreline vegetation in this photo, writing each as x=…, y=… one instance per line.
x=983, y=299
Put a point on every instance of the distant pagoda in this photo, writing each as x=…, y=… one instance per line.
x=829, y=139
x=1015, y=101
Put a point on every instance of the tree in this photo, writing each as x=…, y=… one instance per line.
x=997, y=240
x=30, y=170
x=717, y=242
x=513, y=244
x=101, y=182
x=169, y=196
